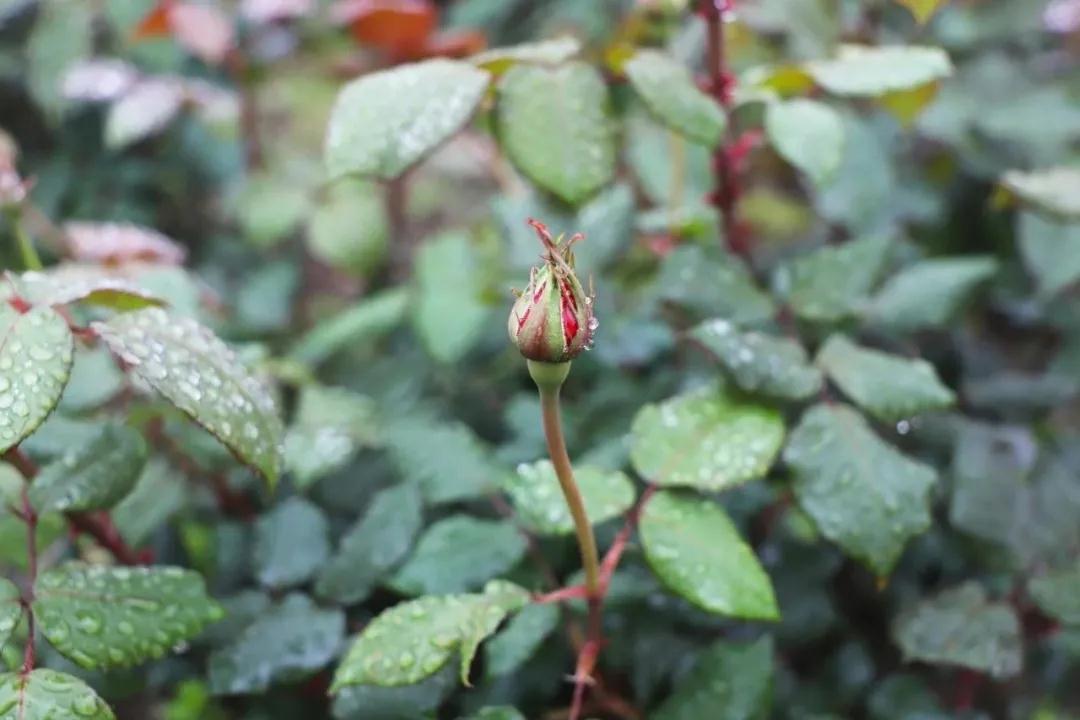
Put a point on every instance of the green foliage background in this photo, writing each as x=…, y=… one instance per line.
x=842, y=442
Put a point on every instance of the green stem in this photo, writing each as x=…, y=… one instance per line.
x=549, y=404
x=30, y=258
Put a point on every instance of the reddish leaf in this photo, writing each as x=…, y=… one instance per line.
x=456, y=44
x=400, y=28
x=115, y=243
x=203, y=30
x=155, y=23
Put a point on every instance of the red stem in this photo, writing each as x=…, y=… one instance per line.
x=99, y=525
x=721, y=85
x=29, y=516
x=967, y=683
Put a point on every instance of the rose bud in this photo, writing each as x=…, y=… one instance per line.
x=552, y=320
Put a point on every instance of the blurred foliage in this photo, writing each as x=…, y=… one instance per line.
x=266, y=360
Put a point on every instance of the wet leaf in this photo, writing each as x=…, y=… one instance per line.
x=864, y=71
x=1058, y=594
x=728, y=682
x=832, y=283
x=445, y=460
x=94, y=476
x=524, y=634
x=705, y=439
x=331, y=425
x=695, y=549
x=962, y=627
x=808, y=134
x=290, y=641
x=449, y=314
x=496, y=713
x=545, y=52
x=415, y=639
x=457, y=554
x=759, y=363
x=1053, y=191
x=36, y=350
x=887, y=386
x=159, y=493
x=49, y=695
x=555, y=125
x=10, y=609
x=714, y=286
x=386, y=121
x=68, y=283
x=929, y=293
x=538, y=500
x=405, y=702
x=107, y=617
x=1049, y=250
x=201, y=376
x=862, y=493
x=291, y=543
x=374, y=546
x=671, y=95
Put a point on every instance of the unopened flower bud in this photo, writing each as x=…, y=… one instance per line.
x=552, y=320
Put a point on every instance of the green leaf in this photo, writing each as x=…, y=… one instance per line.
x=714, y=286
x=332, y=424
x=288, y=642
x=36, y=350
x=862, y=493
x=49, y=695
x=94, y=476
x=348, y=230
x=386, y=121
x=962, y=627
x=1058, y=594
x=415, y=639
x=449, y=314
x=10, y=609
x=106, y=617
x=374, y=546
x=291, y=543
x=61, y=36
x=95, y=379
x=705, y=439
x=159, y=493
x=555, y=125
x=887, y=386
x=864, y=71
x=13, y=545
x=537, y=498
x=922, y=10
x=405, y=702
x=91, y=284
x=1049, y=250
x=201, y=376
x=457, y=554
x=832, y=283
x=695, y=549
x=808, y=134
x=1052, y=191
x=671, y=95
x=728, y=682
x=759, y=363
x=524, y=634
x=358, y=326
x=929, y=293
x=545, y=52
x=503, y=712
x=445, y=460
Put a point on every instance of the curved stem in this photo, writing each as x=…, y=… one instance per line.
x=549, y=404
